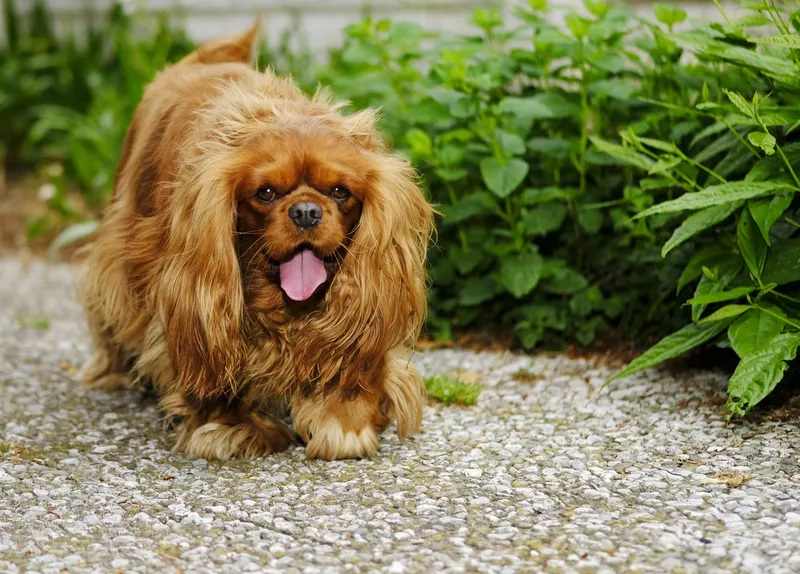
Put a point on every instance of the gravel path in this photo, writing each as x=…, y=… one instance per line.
x=545, y=474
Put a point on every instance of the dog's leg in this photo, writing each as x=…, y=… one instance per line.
x=105, y=369
x=220, y=430
x=343, y=418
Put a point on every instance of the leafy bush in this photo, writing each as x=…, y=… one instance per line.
x=536, y=231
x=586, y=170
x=732, y=191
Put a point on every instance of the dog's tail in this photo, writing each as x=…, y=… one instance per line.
x=237, y=48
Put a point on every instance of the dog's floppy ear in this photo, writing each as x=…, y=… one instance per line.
x=378, y=297
x=232, y=49
x=201, y=299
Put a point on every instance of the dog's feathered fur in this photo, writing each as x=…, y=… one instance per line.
x=174, y=297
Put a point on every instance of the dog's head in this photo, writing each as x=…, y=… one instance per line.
x=288, y=187
x=301, y=191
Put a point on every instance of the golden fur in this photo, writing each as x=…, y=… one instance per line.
x=177, y=285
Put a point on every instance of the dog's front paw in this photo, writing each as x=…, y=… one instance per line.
x=247, y=439
x=329, y=441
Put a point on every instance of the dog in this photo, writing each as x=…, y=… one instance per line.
x=263, y=253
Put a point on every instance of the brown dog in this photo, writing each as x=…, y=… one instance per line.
x=261, y=251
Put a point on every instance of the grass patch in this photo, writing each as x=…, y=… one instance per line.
x=452, y=390
x=34, y=322
x=4, y=448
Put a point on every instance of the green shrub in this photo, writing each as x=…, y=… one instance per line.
x=732, y=191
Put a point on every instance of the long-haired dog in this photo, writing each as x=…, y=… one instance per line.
x=262, y=252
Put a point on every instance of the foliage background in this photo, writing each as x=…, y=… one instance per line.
x=593, y=172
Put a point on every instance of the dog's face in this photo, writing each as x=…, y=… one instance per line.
x=300, y=195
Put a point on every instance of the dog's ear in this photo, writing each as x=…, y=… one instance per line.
x=232, y=49
x=201, y=299
x=378, y=296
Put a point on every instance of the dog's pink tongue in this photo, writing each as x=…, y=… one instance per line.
x=301, y=276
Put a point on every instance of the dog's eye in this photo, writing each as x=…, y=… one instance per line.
x=340, y=193
x=266, y=194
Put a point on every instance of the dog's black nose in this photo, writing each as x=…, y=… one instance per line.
x=305, y=214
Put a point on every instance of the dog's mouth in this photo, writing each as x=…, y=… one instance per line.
x=304, y=273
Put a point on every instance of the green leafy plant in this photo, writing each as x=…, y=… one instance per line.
x=452, y=390
x=733, y=198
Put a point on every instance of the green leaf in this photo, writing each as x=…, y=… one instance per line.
x=419, y=142
x=542, y=106
x=759, y=373
x=674, y=345
x=726, y=313
x=783, y=263
x=703, y=258
x=502, y=179
x=467, y=207
x=532, y=196
x=565, y=281
x=554, y=147
x=766, y=212
x=751, y=245
x=669, y=14
x=616, y=89
x=477, y=291
x=720, y=296
x=719, y=194
x=698, y=222
x=763, y=140
x=544, y=218
x=627, y=155
x=725, y=270
x=77, y=232
x=510, y=143
x=664, y=163
x=788, y=40
x=465, y=261
x=519, y=274
x=754, y=330
x=738, y=101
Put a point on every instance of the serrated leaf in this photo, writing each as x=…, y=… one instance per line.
x=503, y=179
x=544, y=218
x=738, y=101
x=720, y=296
x=788, y=40
x=718, y=195
x=698, y=222
x=764, y=141
x=759, y=373
x=565, y=281
x=726, y=312
x=674, y=345
x=754, y=330
x=751, y=245
x=766, y=212
x=663, y=164
x=519, y=274
x=627, y=155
